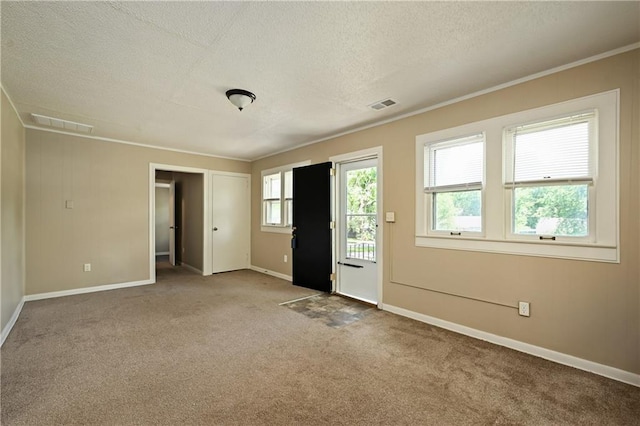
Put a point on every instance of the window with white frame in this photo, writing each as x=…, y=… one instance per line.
x=277, y=198
x=453, y=182
x=550, y=183
x=549, y=174
x=272, y=199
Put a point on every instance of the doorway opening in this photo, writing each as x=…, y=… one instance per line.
x=358, y=238
x=178, y=219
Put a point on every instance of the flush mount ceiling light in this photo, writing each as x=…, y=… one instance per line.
x=240, y=98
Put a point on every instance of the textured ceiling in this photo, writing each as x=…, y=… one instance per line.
x=156, y=72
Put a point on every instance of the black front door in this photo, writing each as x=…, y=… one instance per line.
x=311, y=235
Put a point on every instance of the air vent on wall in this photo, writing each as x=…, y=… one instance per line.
x=385, y=103
x=61, y=124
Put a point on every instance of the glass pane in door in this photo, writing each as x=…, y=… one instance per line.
x=360, y=212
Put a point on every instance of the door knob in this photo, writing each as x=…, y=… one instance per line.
x=215, y=229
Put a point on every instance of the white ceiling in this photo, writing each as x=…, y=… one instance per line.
x=156, y=72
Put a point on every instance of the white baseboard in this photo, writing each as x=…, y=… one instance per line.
x=560, y=358
x=272, y=273
x=12, y=321
x=191, y=268
x=84, y=290
x=162, y=253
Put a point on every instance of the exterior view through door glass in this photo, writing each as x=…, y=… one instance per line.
x=357, y=269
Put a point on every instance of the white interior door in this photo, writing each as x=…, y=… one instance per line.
x=230, y=222
x=358, y=230
x=172, y=223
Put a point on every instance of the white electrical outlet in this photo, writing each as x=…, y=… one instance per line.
x=87, y=267
x=523, y=309
x=285, y=258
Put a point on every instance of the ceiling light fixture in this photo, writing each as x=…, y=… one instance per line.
x=240, y=98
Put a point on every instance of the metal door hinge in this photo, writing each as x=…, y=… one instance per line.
x=332, y=225
x=332, y=277
x=332, y=172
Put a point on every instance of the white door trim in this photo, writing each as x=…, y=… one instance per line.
x=375, y=152
x=206, y=247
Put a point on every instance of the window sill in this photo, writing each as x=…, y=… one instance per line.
x=592, y=253
x=276, y=229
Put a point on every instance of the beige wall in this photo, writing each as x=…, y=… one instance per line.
x=12, y=153
x=586, y=309
x=109, y=224
x=192, y=218
x=162, y=219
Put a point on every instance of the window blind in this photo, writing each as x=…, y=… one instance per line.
x=455, y=165
x=553, y=151
x=288, y=185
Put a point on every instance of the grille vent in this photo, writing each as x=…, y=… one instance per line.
x=61, y=124
x=385, y=103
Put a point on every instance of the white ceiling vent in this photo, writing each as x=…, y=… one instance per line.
x=385, y=103
x=61, y=124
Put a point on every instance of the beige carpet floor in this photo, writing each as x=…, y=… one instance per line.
x=221, y=350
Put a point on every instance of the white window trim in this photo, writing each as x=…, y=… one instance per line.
x=496, y=202
x=280, y=229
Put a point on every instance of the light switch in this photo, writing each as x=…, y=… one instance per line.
x=390, y=217
x=68, y=204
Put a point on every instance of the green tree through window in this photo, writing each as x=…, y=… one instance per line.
x=551, y=210
x=361, y=212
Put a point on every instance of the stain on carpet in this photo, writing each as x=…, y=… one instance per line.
x=334, y=311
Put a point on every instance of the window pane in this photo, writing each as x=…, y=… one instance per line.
x=288, y=205
x=361, y=237
x=457, y=164
x=361, y=191
x=288, y=184
x=272, y=212
x=552, y=153
x=551, y=210
x=271, y=187
x=457, y=211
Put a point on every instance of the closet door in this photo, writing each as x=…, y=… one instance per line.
x=230, y=222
